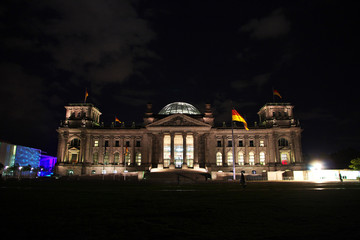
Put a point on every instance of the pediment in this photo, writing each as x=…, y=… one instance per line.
x=180, y=120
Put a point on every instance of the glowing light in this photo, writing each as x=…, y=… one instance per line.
x=316, y=165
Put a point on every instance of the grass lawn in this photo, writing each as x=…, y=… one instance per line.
x=113, y=210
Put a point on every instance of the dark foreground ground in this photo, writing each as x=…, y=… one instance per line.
x=112, y=210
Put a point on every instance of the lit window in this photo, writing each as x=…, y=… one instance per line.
x=128, y=158
x=241, y=158
x=95, y=158
x=190, y=150
x=262, y=158
x=116, y=158
x=262, y=144
x=218, y=159
x=284, y=158
x=230, y=159
x=96, y=143
x=167, y=150
x=138, y=159
x=106, y=158
x=251, y=158
x=178, y=150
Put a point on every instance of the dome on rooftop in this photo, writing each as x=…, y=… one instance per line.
x=179, y=107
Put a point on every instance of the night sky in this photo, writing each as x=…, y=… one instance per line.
x=227, y=53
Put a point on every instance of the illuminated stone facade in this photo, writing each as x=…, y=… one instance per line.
x=178, y=137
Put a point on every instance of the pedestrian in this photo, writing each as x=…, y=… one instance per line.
x=242, y=180
x=340, y=177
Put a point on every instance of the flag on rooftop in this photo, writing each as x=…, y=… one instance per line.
x=86, y=95
x=276, y=93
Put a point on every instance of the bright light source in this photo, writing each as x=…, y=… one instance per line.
x=316, y=166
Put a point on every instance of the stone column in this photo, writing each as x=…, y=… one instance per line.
x=149, y=148
x=122, y=156
x=257, y=154
x=224, y=138
x=88, y=148
x=196, y=150
x=184, y=149
x=206, y=147
x=298, y=157
x=61, y=146
x=66, y=145
x=172, y=162
x=133, y=153
x=111, y=150
x=293, y=147
x=246, y=150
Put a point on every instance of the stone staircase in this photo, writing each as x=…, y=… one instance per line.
x=177, y=176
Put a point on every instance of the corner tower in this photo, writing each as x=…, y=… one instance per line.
x=277, y=115
x=81, y=115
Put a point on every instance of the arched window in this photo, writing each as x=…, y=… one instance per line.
x=106, y=158
x=262, y=158
x=241, y=158
x=229, y=159
x=95, y=158
x=251, y=158
x=128, y=158
x=116, y=158
x=75, y=143
x=138, y=159
x=218, y=159
x=282, y=142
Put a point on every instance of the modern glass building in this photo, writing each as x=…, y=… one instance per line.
x=17, y=155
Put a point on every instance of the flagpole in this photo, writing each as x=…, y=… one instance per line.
x=273, y=95
x=233, y=150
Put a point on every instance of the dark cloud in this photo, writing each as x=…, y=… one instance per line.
x=272, y=26
x=100, y=42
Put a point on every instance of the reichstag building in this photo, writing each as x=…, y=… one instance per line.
x=178, y=137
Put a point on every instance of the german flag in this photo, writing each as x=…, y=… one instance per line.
x=238, y=118
x=86, y=95
x=276, y=93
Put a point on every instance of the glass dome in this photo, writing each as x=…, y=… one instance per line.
x=179, y=107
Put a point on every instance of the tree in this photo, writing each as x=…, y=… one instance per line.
x=355, y=164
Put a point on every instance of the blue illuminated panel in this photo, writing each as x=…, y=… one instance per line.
x=47, y=162
x=27, y=156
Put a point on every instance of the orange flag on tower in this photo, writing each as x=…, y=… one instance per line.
x=117, y=120
x=86, y=95
x=275, y=92
x=238, y=118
